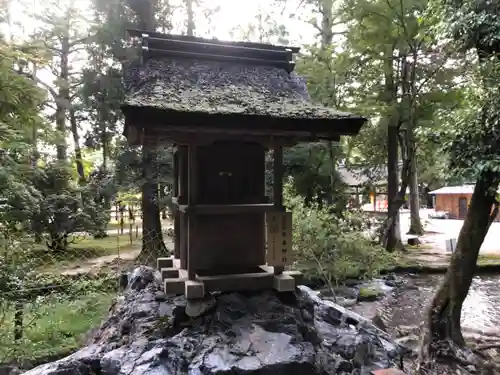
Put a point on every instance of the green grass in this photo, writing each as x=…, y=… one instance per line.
x=423, y=246
x=369, y=293
x=115, y=224
x=488, y=259
x=107, y=245
x=405, y=261
x=112, y=225
x=52, y=325
x=88, y=247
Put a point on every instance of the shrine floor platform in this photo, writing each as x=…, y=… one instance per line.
x=231, y=279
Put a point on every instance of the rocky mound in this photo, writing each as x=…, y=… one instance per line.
x=148, y=333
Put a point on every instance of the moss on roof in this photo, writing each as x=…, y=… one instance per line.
x=222, y=88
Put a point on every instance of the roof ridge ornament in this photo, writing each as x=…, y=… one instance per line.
x=179, y=46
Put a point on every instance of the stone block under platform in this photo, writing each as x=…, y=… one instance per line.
x=174, y=286
x=165, y=263
x=232, y=279
x=169, y=273
x=194, y=289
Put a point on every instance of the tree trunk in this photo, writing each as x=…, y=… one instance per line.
x=410, y=89
x=163, y=197
x=326, y=10
x=104, y=141
x=428, y=197
x=392, y=238
x=391, y=233
x=152, y=236
x=78, y=151
x=62, y=100
x=415, y=222
x=58, y=243
x=190, y=17
x=442, y=325
x=332, y=171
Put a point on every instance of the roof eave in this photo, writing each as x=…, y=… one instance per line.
x=347, y=126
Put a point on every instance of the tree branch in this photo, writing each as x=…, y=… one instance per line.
x=79, y=41
x=402, y=21
x=434, y=72
x=52, y=92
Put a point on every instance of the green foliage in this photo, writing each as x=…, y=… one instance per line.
x=384, y=40
x=83, y=247
x=331, y=247
x=369, y=293
x=16, y=261
x=313, y=167
x=20, y=119
x=57, y=310
x=471, y=23
x=101, y=95
x=64, y=208
x=471, y=136
x=52, y=325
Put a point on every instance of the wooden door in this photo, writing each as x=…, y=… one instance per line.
x=462, y=208
x=232, y=173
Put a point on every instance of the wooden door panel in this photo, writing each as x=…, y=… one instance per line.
x=232, y=173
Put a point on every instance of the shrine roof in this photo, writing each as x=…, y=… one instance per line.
x=214, y=87
x=195, y=76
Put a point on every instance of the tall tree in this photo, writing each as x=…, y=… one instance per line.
x=20, y=119
x=474, y=151
x=152, y=243
x=319, y=64
x=110, y=55
x=190, y=24
x=62, y=35
x=400, y=67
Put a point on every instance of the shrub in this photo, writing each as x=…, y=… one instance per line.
x=45, y=314
x=52, y=324
x=332, y=248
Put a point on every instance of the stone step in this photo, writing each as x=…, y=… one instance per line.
x=194, y=289
x=165, y=263
x=174, y=286
x=169, y=273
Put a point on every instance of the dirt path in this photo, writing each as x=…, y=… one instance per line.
x=94, y=265
x=114, y=262
x=428, y=257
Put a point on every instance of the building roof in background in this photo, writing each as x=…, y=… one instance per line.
x=462, y=189
x=360, y=177
x=179, y=75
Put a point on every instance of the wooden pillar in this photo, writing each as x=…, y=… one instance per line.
x=182, y=199
x=183, y=173
x=278, y=188
x=175, y=189
x=175, y=193
x=192, y=200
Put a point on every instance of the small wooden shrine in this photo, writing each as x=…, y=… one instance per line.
x=224, y=105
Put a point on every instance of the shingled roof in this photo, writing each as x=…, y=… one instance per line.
x=183, y=81
x=220, y=87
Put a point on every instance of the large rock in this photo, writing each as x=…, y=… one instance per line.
x=148, y=333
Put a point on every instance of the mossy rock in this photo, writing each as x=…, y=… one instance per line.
x=369, y=294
